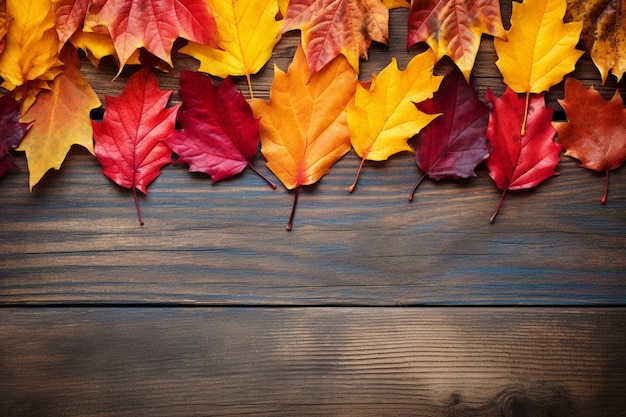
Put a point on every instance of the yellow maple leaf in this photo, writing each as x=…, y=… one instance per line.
x=540, y=50
x=303, y=127
x=248, y=31
x=30, y=57
x=62, y=120
x=383, y=117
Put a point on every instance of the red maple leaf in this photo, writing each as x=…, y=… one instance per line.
x=453, y=144
x=518, y=162
x=11, y=132
x=595, y=132
x=129, y=140
x=220, y=136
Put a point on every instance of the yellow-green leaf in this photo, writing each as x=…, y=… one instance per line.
x=383, y=117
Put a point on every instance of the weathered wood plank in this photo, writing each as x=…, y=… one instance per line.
x=313, y=362
x=76, y=238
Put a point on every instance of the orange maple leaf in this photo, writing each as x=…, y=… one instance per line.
x=304, y=127
x=334, y=27
x=155, y=25
x=62, y=119
x=595, y=132
x=453, y=28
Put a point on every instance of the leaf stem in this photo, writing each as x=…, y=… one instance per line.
x=249, y=85
x=267, y=180
x=525, y=113
x=293, y=209
x=416, y=185
x=358, y=172
x=137, y=205
x=606, y=188
x=493, y=218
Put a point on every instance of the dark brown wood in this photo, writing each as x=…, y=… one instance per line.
x=313, y=362
x=186, y=316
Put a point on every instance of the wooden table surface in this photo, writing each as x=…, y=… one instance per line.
x=371, y=306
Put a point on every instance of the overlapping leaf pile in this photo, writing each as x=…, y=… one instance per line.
x=318, y=110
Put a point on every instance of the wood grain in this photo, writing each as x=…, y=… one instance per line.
x=313, y=362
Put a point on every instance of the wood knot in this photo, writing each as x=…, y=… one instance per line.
x=535, y=401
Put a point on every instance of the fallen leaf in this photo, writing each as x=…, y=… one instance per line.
x=12, y=132
x=334, y=27
x=248, y=31
x=304, y=128
x=30, y=57
x=155, y=25
x=62, y=119
x=219, y=135
x=520, y=161
x=4, y=24
x=129, y=140
x=397, y=4
x=541, y=49
x=69, y=16
x=383, y=116
x=603, y=34
x=453, y=28
x=452, y=145
x=595, y=131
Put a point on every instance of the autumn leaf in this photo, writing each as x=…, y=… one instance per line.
x=30, y=57
x=155, y=25
x=595, y=131
x=304, y=128
x=220, y=136
x=4, y=24
x=453, y=28
x=62, y=119
x=334, y=27
x=129, y=140
x=248, y=31
x=383, y=115
x=69, y=16
x=452, y=145
x=603, y=34
x=520, y=161
x=397, y=4
x=541, y=49
x=11, y=130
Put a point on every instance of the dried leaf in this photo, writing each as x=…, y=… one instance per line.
x=334, y=27
x=220, y=136
x=604, y=33
x=383, y=116
x=595, y=132
x=454, y=28
x=129, y=140
x=453, y=144
x=520, y=161
x=304, y=128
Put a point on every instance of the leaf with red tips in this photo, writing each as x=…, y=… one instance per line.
x=452, y=145
x=519, y=162
x=220, y=136
x=595, y=132
x=334, y=27
x=129, y=140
